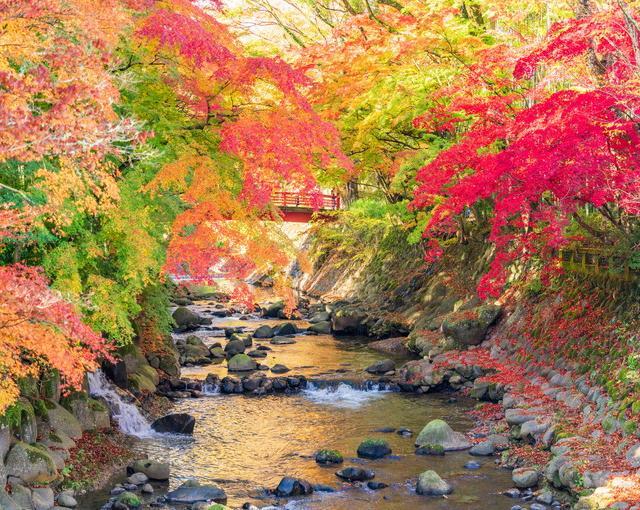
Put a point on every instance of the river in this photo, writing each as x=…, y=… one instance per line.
x=247, y=444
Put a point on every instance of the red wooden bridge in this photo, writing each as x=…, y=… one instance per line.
x=299, y=206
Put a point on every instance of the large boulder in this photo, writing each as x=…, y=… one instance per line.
x=154, y=470
x=31, y=464
x=62, y=420
x=179, y=423
x=469, y=327
x=90, y=413
x=289, y=487
x=188, y=494
x=27, y=428
x=241, y=363
x=430, y=484
x=186, y=320
x=439, y=433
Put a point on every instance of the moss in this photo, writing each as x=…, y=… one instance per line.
x=326, y=456
x=430, y=449
x=96, y=405
x=371, y=443
x=40, y=408
x=218, y=506
x=17, y=413
x=37, y=453
x=130, y=499
x=55, y=437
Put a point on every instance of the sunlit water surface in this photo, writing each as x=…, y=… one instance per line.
x=246, y=444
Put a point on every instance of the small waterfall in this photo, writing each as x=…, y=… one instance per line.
x=127, y=415
x=343, y=395
x=211, y=388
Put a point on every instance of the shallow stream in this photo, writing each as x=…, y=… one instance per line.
x=247, y=444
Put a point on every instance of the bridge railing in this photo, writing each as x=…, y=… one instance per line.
x=594, y=262
x=305, y=200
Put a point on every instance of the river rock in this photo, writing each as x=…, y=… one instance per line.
x=374, y=449
x=469, y=327
x=67, y=500
x=186, y=319
x=279, y=369
x=524, y=478
x=154, y=470
x=179, y=423
x=348, y=322
x=328, y=457
x=288, y=328
x=188, y=494
x=321, y=328
x=138, y=479
x=472, y=464
x=282, y=340
x=22, y=496
x=241, y=363
x=263, y=331
x=274, y=310
x=217, y=353
x=245, y=338
x=438, y=432
x=633, y=455
x=483, y=449
x=430, y=449
x=355, y=474
x=381, y=367
x=289, y=487
x=147, y=488
x=7, y=502
x=31, y=464
x=320, y=317
x=234, y=347
x=430, y=484
x=42, y=498
x=257, y=354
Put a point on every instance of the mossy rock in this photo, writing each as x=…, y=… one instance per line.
x=430, y=449
x=374, y=449
x=438, y=432
x=29, y=387
x=218, y=506
x=140, y=383
x=241, y=363
x=149, y=372
x=130, y=499
x=329, y=457
x=469, y=327
x=51, y=386
x=21, y=417
x=60, y=419
x=31, y=463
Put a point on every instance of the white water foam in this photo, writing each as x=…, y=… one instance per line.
x=128, y=416
x=342, y=395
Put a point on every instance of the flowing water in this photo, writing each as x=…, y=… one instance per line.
x=247, y=444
